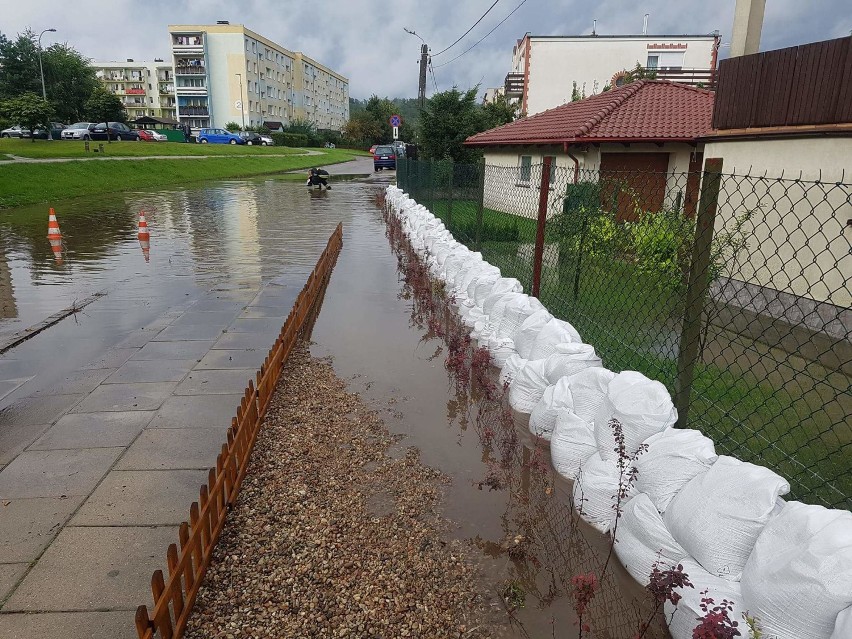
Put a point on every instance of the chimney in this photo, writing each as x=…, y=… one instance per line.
x=748, y=22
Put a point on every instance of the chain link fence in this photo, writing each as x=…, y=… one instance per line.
x=733, y=290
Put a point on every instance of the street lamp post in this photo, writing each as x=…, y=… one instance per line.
x=41, y=70
x=242, y=104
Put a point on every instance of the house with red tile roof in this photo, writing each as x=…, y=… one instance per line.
x=646, y=133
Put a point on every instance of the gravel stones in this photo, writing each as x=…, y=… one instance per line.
x=331, y=537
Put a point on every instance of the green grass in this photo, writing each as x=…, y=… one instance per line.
x=31, y=183
x=464, y=214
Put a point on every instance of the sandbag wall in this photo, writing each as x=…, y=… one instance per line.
x=787, y=564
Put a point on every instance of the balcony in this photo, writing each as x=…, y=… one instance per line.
x=135, y=91
x=514, y=84
x=187, y=44
x=190, y=90
x=193, y=70
x=167, y=90
x=702, y=78
x=194, y=110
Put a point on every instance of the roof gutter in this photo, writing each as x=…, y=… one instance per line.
x=552, y=142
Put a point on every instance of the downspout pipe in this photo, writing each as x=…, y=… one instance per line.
x=565, y=146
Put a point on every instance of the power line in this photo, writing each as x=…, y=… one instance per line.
x=483, y=37
x=469, y=30
x=434, y=79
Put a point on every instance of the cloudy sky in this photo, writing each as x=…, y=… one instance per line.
x=364, y=39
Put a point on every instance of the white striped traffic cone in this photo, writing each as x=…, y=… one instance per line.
x=54, y=236
x=144, y=236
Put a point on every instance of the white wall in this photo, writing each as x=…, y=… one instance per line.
x=555, y=63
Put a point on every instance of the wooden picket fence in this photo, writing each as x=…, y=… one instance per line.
x=187, y=564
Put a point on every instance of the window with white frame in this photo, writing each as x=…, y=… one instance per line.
x=524, y=170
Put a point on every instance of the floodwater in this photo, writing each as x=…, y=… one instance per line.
x=229, y=239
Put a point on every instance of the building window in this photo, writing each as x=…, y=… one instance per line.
x=524, y=170
x=552, y=169
x=653, y=61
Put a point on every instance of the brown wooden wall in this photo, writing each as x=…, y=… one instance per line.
x=807, y=84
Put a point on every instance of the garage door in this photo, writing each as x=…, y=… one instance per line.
x=633, y=182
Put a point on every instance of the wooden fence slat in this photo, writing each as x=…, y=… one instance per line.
x=175, y=586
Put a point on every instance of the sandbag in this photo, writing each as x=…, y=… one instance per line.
x=495, y=307
x=516, y=311
x=501, y=286
x=798, y=578
x=596, y=491
x=556, y=331
x=572, y=444
x=718, y=515
x=589, y=388
x=526, y=335
x=642, y=406
x=556, y=397
x=643, y=541
x=569, y=358
x=843, y=625
x=674, y=456
x=510, y=368
x=684, y=618
x=527, y=387
x=501, y=349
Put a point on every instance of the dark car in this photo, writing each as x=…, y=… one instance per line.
x=111, y=131
x=252, y=138
x=384, y=157
x=56, y=129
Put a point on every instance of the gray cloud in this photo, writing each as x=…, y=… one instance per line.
x=365, y=40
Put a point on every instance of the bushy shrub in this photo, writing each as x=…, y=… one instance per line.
x=290, y=139
x=661, y=244
x=490, y=232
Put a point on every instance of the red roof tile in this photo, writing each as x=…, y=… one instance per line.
x=649, y=110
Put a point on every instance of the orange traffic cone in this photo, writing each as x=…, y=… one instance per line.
x=54, y=236
x=144, y=236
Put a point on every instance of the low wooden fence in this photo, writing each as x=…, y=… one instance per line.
x=187, y=564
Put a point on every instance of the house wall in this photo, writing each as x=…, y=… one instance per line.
x=504, y=191
x=799, y=234
x=555, y=63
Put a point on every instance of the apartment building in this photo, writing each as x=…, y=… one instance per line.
x=545, y=68
x=228, y=73
x=145, y=88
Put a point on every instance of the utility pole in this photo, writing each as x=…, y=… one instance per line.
x=424, y=57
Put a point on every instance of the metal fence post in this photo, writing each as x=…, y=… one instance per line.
x=480, y=204
x=450, y=180
x=543, y=194
x=697, y=285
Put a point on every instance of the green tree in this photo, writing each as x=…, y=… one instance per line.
x=103, y=106
x=233, y=127
x=29, y=110
x=448, y=119
x=19, y=72
x=499, y=112
x=362, y=128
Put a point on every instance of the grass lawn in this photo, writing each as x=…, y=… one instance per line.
x=31, y=183
x=76, y=149
x=464, y=217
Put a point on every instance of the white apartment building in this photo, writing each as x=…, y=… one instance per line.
x=145, y=88
x=227, y=73
x=545, y=68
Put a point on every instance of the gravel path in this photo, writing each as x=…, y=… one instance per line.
x=336, y=531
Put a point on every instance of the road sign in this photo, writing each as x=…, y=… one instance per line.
x=395, y=121
x=396, y=133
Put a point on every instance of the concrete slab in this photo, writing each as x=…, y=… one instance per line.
x=91, y=625
x=190, y=332
x=28, y=525
x=111, y=359
x=267, y=326
x=10, y=574
x=265, y=311
x=228, y=359
x=54, y=473
x=217, y=304
x=250, y=341
x=134, y=372
x=98, y=568
x=141, y=498
x=197, y=411
x=173, y=448
x=139, y=338
x=94, y=430
x=15, y=439
x=160, y=351
x=215, y=382
x=80, y=383
x=25, y=420
x=122, y=397
x=206, y=318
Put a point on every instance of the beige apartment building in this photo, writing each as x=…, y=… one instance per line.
x=228, y=73
x=145, y=88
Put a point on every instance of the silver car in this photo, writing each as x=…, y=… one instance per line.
x=76, y=131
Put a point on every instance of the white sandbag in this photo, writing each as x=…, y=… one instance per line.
x=572, y=443
x=569, y=358
x=487, y=276
x=798, y=578
x=495, y=307
x=596, y=491
x=589, y=388
x=510, y=369
x=684, y=618
x=718, y=515
x=643, y=541
x=517, y=310
x=843, y=625
x=527, y=387
x=501, y=349
x=556, y=397
x=556, y=331
x=674, y=457
x=502, y=285
x=526, y=335
x=642, y=406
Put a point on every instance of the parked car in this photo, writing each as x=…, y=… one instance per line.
x=384, y=157
x=14, y=132
x=146, y=135
x=76, y=131
x=373, y=148
x=251, y=138
x=111, y=131
x=218, y=136
x=267, y=140
x=56, y=129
